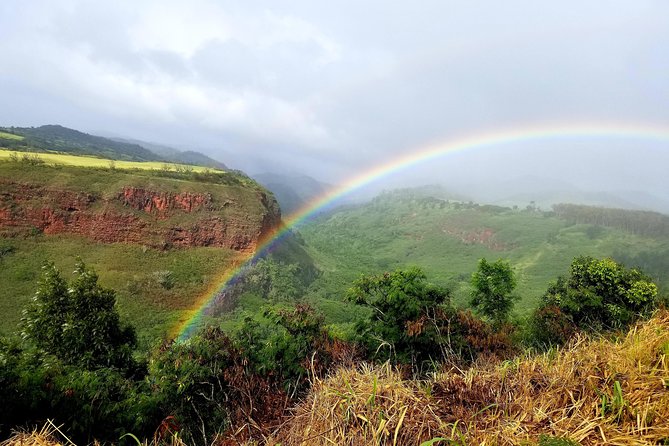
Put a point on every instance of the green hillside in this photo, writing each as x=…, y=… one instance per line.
x=446, y=239
x=155, y=285
x=59, y=139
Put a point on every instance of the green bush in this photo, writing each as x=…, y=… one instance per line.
x=97, y=404
x=492, y=285
x=406, y=318
x=597, y=295
x=287, y=345
x=78, y=321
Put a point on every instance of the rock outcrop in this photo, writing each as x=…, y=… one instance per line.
x=139, y=215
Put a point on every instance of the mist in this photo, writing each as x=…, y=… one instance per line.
x=333, y=90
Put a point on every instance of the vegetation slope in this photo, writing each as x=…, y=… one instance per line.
x=59, y=139
x=155, y=285
x=596, y=390
x=446, y=239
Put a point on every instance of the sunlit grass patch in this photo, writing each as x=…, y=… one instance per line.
x=5, y=135
x=89, y=161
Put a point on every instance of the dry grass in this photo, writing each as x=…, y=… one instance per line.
x=52, y=435
x=593, y=392
x=363, y=406
x=49, y=435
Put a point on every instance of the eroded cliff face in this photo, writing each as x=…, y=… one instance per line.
x=162, y=203
x=140, y=215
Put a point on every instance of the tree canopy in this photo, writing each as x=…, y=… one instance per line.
x=602, y=293
x=78, y=321
x=493, y=285
x=404, y=308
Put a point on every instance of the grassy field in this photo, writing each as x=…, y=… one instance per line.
x=10, y=136
x=88, y=161
x=447, y=240
x=154, y=287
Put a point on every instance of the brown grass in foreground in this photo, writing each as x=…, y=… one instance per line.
x=49, y=435
x=593, y=392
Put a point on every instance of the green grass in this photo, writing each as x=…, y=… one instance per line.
x=133, y=271
x=105, y=183
x=10, y=136
x=393, y=232
x=89, y=161
x=141, y=275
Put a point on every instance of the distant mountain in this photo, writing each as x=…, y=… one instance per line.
x=292, y=191
x=176, y=155
x=62, y=139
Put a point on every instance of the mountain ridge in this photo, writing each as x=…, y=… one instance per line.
x=54, y=137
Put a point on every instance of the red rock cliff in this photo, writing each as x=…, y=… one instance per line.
x=137, y=215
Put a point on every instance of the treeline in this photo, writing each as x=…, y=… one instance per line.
x=428, y=198
x=654, y=262
x=74, y=360
x=646, y=223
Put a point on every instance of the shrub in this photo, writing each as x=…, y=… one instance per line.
x=478, y=338
x=492, y=285
x=165, y=279
x=550, y=326
x=293, y=343
x=6, y=249
x=406, y=319
x=78, y=321
x=597, y=295
x=207, y=384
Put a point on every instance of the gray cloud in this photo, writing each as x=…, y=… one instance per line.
x=333, y=87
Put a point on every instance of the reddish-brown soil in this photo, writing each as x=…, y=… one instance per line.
x=136, y=215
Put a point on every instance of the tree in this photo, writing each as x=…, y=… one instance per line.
x=407, y=314
x=602, y=294
x=78, y=322
x=493, y=284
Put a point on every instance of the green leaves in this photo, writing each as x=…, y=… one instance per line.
x=599, y=294
x=405, y=308
x=78, y=321
x=492, y=286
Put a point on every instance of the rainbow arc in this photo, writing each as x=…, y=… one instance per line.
x=414, y=157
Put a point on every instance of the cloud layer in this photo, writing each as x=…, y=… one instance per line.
x=329, y=87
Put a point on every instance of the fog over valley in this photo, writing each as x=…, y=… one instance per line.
x=332, y=91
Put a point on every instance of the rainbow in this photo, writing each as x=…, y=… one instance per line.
x=417, y=156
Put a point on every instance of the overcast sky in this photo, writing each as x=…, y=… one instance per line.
x=333, y=87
